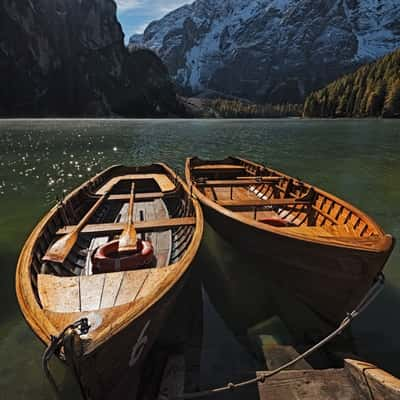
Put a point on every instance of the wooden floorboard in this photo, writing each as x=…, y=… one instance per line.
x=59, y=294
x=91, y=290
x=132, y=282
x=112, y=284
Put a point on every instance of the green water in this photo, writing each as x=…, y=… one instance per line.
x=39, y=160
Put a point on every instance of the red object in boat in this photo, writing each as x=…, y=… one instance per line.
x=278, y=222
x=107, y=258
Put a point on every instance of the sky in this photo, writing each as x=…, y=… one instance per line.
x=135, y=15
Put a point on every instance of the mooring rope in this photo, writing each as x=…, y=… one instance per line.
x=363, y=304
x=56, y=342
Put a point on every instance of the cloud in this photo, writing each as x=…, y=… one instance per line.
x=157, y=6
x=135, y=15
x=124, y=5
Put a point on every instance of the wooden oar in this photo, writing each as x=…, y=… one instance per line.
x=127, y=240
x=59, y=250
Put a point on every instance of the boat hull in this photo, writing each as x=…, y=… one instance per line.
x=331, y=280
x=114, y=368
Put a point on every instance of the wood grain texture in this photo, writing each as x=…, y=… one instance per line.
x=91, y=291
x=140, y=226
x=59, y=294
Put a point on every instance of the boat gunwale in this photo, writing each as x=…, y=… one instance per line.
x=35, y=315
x=380, y=243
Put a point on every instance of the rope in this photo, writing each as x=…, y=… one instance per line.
x=363, y=304
x=55, y=345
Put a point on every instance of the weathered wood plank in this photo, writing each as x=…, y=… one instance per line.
x=277, y=355
x=162, y=258
x=59, y=294
x=139, y=226
x=132, y=281
x=91, y=289
x=112, y=284
x=330, y=384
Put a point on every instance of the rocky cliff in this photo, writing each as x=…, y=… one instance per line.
x=67, y=58
x=271, y=50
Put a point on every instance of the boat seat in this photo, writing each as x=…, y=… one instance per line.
x=142, y=226
x=240, y=182
x=215, y=168
x=165, y=184
x=94, y=292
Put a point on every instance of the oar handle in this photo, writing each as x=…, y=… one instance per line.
x=131, y=204
x=90, y=213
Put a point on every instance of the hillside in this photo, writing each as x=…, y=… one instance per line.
x=270, y=51
x=372, y=91
x=68, y=58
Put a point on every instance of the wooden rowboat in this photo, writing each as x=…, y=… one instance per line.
x=321, y=248
x=57, y=284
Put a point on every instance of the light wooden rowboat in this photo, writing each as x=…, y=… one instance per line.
x=324, y=250
x=126, y=309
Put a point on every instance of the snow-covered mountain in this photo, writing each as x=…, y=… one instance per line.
x=271, y=50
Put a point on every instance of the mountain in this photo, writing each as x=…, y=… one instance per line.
x=271, y=50
x=68, y=58
x=372, y=91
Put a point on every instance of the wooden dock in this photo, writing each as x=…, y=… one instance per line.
x=355, y=380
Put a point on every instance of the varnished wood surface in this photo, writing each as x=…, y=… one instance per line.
x=261, y=203
x=154, y=286
x=163, y=182
x=238, y=182
x=142, y=226
x=138, y=196
x=326, y=252
x=273, y=188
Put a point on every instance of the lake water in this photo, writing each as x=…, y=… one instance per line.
x=357, y=160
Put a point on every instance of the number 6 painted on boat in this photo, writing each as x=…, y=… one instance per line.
x=138, y=348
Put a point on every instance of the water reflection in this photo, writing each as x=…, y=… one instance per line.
x=357, y=160
x=260, y=313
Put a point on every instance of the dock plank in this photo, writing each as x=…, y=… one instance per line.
x=329, y=384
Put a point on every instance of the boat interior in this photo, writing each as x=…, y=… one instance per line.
x=163, y=214
x=264, y=195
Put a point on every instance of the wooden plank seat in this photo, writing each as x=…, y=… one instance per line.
x=165, y=184
x=94, y=292
x=239, y=182
x=261, y=203
x=219, y=167
x=138, y=196
x=140, y=226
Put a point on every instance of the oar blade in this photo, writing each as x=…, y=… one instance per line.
x=128, y=239
x=58, y=251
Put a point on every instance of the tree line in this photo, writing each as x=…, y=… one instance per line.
x=240, y=109
x=372, y=91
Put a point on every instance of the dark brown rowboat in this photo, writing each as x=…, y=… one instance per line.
x=321, y=248
x=125, y=309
